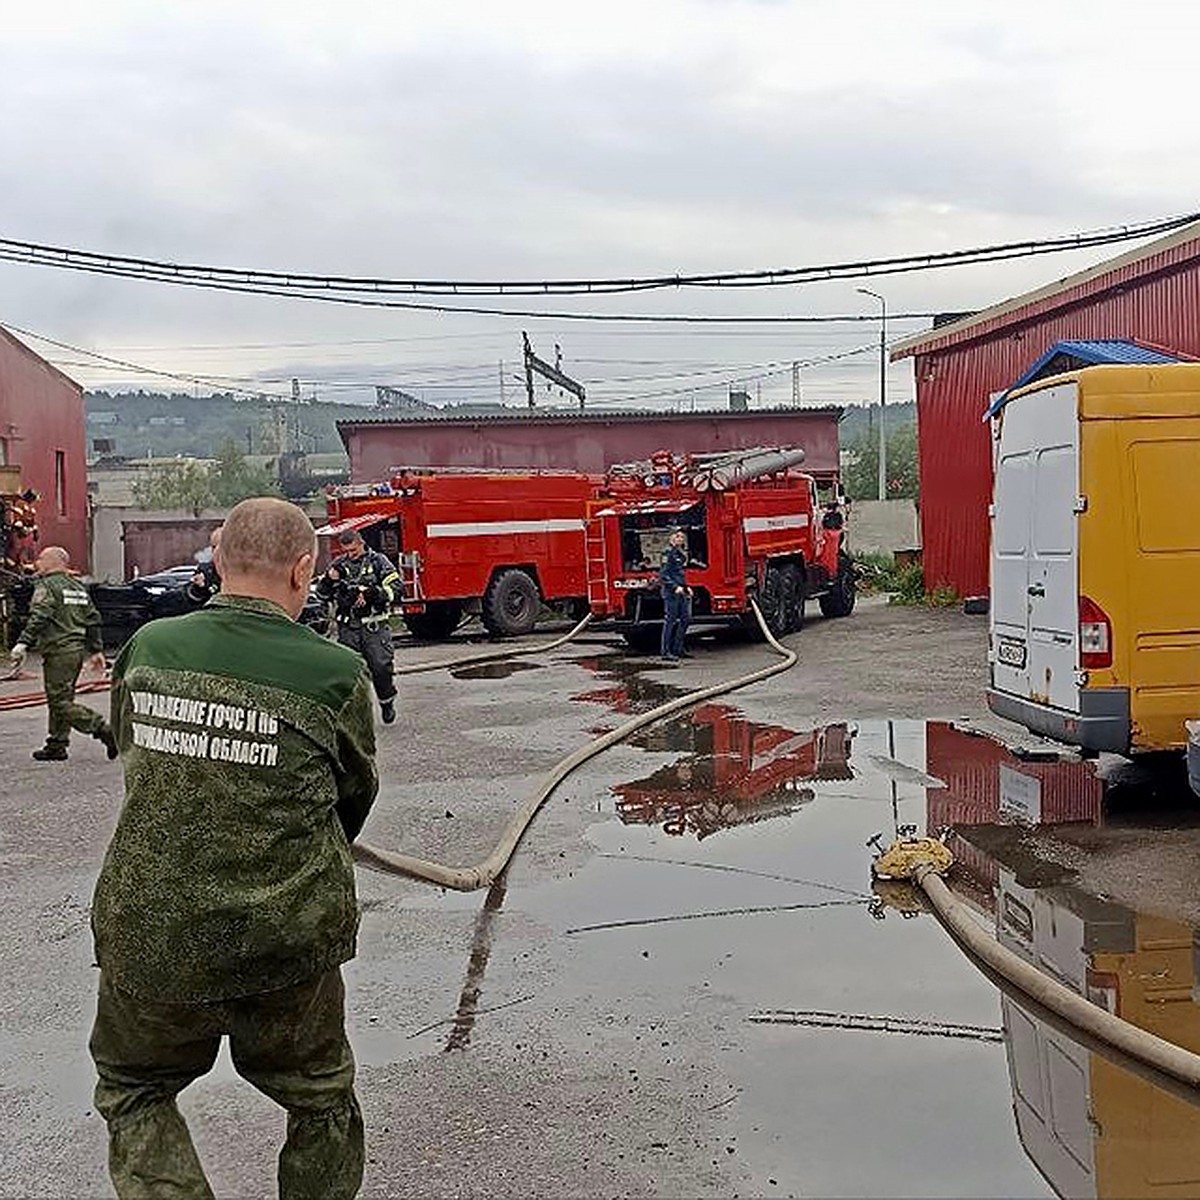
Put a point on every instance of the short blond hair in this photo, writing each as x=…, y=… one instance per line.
x=265, y=536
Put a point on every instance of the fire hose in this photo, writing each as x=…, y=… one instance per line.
x=924, y=861
x=483, y=873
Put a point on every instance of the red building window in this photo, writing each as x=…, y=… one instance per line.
x=60, y=482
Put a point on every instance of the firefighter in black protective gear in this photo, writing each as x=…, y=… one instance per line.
x=362, y=585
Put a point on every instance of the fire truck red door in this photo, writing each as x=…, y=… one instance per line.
x=728, y=543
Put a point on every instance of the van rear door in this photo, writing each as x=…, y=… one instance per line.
x=1035, y=549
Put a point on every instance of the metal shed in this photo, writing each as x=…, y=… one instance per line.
x=1150, y=297
x=589, y=441
x=42, y=433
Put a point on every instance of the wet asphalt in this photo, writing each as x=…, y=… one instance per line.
x=684, y=984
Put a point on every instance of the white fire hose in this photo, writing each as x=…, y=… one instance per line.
x=483, y=873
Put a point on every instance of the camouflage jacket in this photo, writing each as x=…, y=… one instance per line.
x=248, y=746
x=62, y=616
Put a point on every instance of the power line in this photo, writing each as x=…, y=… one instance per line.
x=371, y=291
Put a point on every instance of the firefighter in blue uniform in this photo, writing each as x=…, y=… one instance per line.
x=676, y=595
x=363, y=585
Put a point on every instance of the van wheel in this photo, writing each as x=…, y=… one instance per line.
x=439, y=620
x=839, y=600
x=511, y=604
x=793, y=598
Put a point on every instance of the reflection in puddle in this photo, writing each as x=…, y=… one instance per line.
x=629, y=691
x=493, y=670
x=735, y=772
x=1092, y=1128
x=481, y=949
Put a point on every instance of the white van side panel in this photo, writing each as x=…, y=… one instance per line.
x=1035, y=549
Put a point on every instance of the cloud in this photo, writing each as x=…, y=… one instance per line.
x=543, y=140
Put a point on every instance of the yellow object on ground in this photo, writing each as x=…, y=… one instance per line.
x=901, y=860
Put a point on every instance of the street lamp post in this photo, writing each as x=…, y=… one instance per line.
x=882, y=388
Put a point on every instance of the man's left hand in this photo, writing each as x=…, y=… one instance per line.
x=360, y=599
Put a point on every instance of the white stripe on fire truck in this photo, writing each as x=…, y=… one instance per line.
x=762, y=524
x=498, y=528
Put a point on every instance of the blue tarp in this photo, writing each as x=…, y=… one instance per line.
x=1073, y=356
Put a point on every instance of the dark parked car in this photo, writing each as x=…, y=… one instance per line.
x=125, y=607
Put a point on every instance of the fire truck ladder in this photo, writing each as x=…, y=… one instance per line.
x=409, y=566
x=596, y=551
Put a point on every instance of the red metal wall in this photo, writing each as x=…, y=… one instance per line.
x=586, y=444
x=954, y=385
x=41, y=412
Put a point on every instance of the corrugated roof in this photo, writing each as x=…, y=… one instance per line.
x=1063, y=357
x=569, y=416
x=1177, y=248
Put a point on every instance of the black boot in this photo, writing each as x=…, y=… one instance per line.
x=106, y=739
x=51, y=754
x=387, y=710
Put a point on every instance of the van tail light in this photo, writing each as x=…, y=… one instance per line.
x=1095, y=636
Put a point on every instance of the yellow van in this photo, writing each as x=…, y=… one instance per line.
x=1095, y=608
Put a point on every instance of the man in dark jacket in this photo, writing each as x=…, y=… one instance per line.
x=676, y=596
x=363, y=586
x=206, y=582
x=226, y=904
x=64, y=624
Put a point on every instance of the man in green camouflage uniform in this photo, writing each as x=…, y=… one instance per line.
x=226, y=904
x=65, y=626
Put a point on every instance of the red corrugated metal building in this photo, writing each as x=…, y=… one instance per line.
x=1151, y=296
x=581, y=441
x=42, y=431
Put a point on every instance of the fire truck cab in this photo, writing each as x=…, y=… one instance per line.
x=755, y=531
x=499, y=543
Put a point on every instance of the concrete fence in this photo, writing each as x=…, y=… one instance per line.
x=125, y=537
x=883, y=526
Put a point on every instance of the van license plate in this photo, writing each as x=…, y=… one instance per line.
x=1011, y=653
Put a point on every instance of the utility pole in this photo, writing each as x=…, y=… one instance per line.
x=550, y=373
x=882, y=389
x=796, y=385
x=503, y=398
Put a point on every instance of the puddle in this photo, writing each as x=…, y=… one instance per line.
x=627, y=691
x=733, y=772
x=723, y=931
x=494, y=670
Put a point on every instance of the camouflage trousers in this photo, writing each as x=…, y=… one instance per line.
x=289, y=1044
x=60, y=671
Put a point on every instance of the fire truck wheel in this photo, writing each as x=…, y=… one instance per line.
x=772, y=600
x=439, y=620
x=839, y=600
x=511, y=604
x=793, y=598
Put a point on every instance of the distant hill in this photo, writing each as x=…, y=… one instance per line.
x=152, y=423
x=143, y=423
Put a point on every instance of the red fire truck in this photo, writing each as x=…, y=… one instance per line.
x=755, y=531
x=498, y=543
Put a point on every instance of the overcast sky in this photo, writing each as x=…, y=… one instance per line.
x=526, y=139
